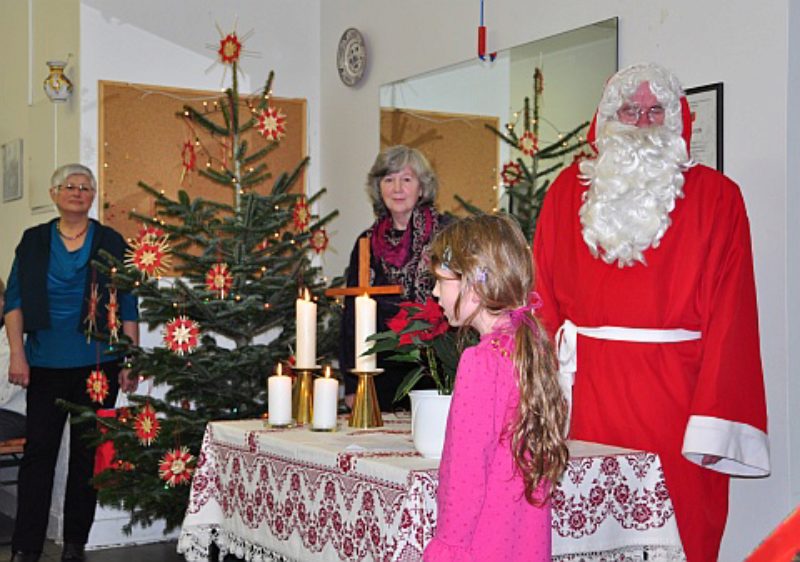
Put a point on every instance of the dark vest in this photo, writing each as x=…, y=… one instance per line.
x=33, y=259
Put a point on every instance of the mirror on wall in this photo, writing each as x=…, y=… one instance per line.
x=446, y=113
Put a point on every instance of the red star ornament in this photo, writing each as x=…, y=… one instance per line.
x=97, y=386
x=146, y=425
x=181, y=335
x=511, y=174
x=528, y=143
x=175, y=467
x=229, y=49
x=271, y=123
x=219, y=279
x=301, y=215
x=149, y=255
x=319, y=240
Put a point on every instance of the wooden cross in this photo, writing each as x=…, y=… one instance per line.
x=364, y=288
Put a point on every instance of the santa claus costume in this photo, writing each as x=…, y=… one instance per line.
x=659, y=328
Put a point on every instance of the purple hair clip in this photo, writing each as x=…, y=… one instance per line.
x=480, y=275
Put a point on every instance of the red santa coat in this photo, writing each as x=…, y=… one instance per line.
x=681, y=400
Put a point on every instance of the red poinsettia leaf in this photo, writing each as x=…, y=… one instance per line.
x=399, y=321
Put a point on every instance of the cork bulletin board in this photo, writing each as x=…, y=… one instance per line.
x=464, y=153
x=142, y=139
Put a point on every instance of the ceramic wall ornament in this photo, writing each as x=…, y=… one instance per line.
x=57, y=86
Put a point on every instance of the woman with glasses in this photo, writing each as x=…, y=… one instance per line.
x=53, y=351
x=402, y=187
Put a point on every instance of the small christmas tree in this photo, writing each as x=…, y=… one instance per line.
x=238, y=269
x=527, y=177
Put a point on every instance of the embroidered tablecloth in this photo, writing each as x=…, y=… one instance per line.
x=293, y=494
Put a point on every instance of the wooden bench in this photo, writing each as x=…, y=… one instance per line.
x=11, y=456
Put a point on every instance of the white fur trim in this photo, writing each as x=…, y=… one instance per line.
x=743, y=448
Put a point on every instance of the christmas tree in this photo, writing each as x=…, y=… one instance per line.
x=227, y=315
x=527, y=177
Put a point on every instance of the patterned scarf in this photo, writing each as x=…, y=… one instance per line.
x=402, y=254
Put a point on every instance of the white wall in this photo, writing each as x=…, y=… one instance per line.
x=741, y=44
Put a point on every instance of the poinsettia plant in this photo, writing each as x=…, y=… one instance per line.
x=419, y=333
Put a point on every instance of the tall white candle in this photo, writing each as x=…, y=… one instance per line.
x=279, y=400
x=366, y=317
x=306, y=335
x=326, y=396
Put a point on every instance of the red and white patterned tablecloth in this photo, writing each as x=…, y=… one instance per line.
x=293, y=494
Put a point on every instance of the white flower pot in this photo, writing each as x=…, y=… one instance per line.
x=429, y=411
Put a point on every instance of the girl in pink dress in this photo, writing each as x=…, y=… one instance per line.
x=504, y=444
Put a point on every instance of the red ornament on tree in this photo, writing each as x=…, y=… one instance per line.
x=271, y=123
x=188, y=159
x=174, y=467
x=97, y=386
x=91, y=315
x=112, y=316
x=181, y=335
x=529, y=143
x=148, y=254
x=301, y=215
x=229, y=49
x=319, y=240
x=511, y=174
x=219, y=279
x=150, y=233
x=146, y=425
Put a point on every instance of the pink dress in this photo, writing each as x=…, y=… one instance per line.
x=482, y=511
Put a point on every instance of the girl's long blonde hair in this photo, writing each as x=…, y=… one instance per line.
x=490, y=255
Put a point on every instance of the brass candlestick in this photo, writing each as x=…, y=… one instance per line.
x=303, y=395
x=366, y=410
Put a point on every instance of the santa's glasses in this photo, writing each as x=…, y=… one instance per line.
x=633, y=113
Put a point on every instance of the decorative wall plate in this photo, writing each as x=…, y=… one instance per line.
x=351, y=57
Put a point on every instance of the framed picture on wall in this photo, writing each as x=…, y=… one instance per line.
x=705, y=103
x=12, y=170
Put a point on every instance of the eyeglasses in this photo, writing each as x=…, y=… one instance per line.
x=633, y=113
x=71, y=187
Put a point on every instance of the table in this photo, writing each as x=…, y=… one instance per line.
x=263, y=494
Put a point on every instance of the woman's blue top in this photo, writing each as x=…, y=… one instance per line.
x=62, y=346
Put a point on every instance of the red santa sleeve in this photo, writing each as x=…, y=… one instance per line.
x=728, y=411
x=470, y=442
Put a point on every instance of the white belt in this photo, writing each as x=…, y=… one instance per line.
x=567, y=345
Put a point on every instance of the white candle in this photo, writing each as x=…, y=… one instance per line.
x=306, y=335
x=279, y=400
x=366, y=317
x=326, y=396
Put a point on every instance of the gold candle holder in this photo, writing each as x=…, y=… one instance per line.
x=366, y=409
x=303, y=395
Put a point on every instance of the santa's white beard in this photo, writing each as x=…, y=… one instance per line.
x=634, y=182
